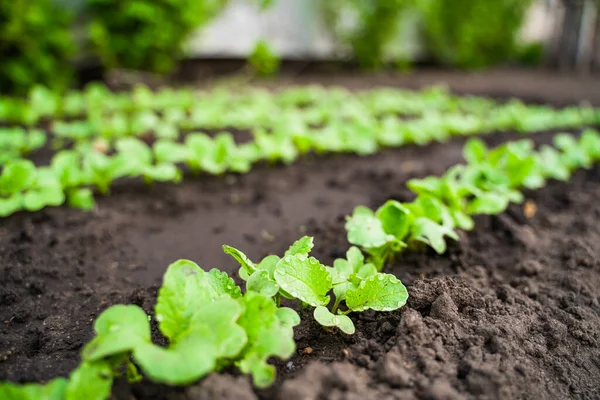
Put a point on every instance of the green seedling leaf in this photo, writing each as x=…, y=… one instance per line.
x=247, y=266
x=67, y=167
x=429, y=185
x=302, y=246
x=305, y=278
x=81, y=198
x=269, y=263
x=16, y=176
x=551, y=164
x=366, y=230
x=261, y=282
x=119, y=330
x=135, y=150
x=171, y=152
x=379, y=292
x=223, y=285
x=475, y=151
x=590, y=142
x=347, y=273
x=11, y=205
x=186, y=288
x=324, y=317
x=432, y=233
x=267, y=336
x=432, y=208
x=91, y=380
x=163, y=172
x=288, y=317
x=488, y=203
x=53, y=390
x=184, y=363
x=395, y=219
x=212, y=334
x=572, y=155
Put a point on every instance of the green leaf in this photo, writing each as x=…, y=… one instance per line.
x=81, y=198
x=90, y=381
x=324, y=317
x=489, y=203
x=395, y=219
x=11, y=205
x=212, y=334
x=171, y=152
x=119, y=329
x=16, y=176
x=38, y=198
x=53, y=390
x=432, y=233
x=186, y=288
x=269, y=263
x=288, y=317
x=223, y=285
x=163, y=172
x=184, y=363
x=267, y=336
x=261, y=282
x=248, y=266
x=475, y=151
x=304, y=278
x=135, y=150
x=217, y=323
x=366, y=230
x=379, y=292
x=302, y=246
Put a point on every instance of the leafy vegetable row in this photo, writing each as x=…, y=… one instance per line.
x=489, y=181
x=43, y=104
x=88, y=165
x=211, y=325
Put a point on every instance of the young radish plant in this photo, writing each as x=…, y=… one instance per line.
x=297, y=276
x=487, y=184
x=25, y=187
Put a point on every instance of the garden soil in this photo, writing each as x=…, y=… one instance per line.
x=511, y=311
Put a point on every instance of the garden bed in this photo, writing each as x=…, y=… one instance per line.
x=510, y=311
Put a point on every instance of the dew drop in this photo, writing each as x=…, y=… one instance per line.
x=336, y=320
x=294, y=294
x=380, y=277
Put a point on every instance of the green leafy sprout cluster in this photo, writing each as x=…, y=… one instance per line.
x=138, y=134
x=487, y=184
x=210, y=324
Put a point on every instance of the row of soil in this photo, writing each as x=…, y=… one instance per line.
x=510, y=311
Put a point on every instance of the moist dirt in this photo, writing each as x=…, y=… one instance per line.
x=511, y=311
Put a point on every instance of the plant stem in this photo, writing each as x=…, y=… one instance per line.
x=335, y=305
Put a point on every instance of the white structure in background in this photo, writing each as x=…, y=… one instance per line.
x=296, y=30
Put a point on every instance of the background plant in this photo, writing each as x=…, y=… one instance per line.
x=263, y=59
x=376, y=26
x=145, y=34
x=36, y=45
x=473, y=33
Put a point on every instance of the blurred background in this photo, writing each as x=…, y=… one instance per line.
x=64, y=43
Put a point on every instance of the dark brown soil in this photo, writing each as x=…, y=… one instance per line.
x=512, y=311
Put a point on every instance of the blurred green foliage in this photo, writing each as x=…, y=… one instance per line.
x=473, y=33
x=263, y=60
x=36, y=36
x=460, y=33
x=36, y=44
x=377, y=23
x=145, y=34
